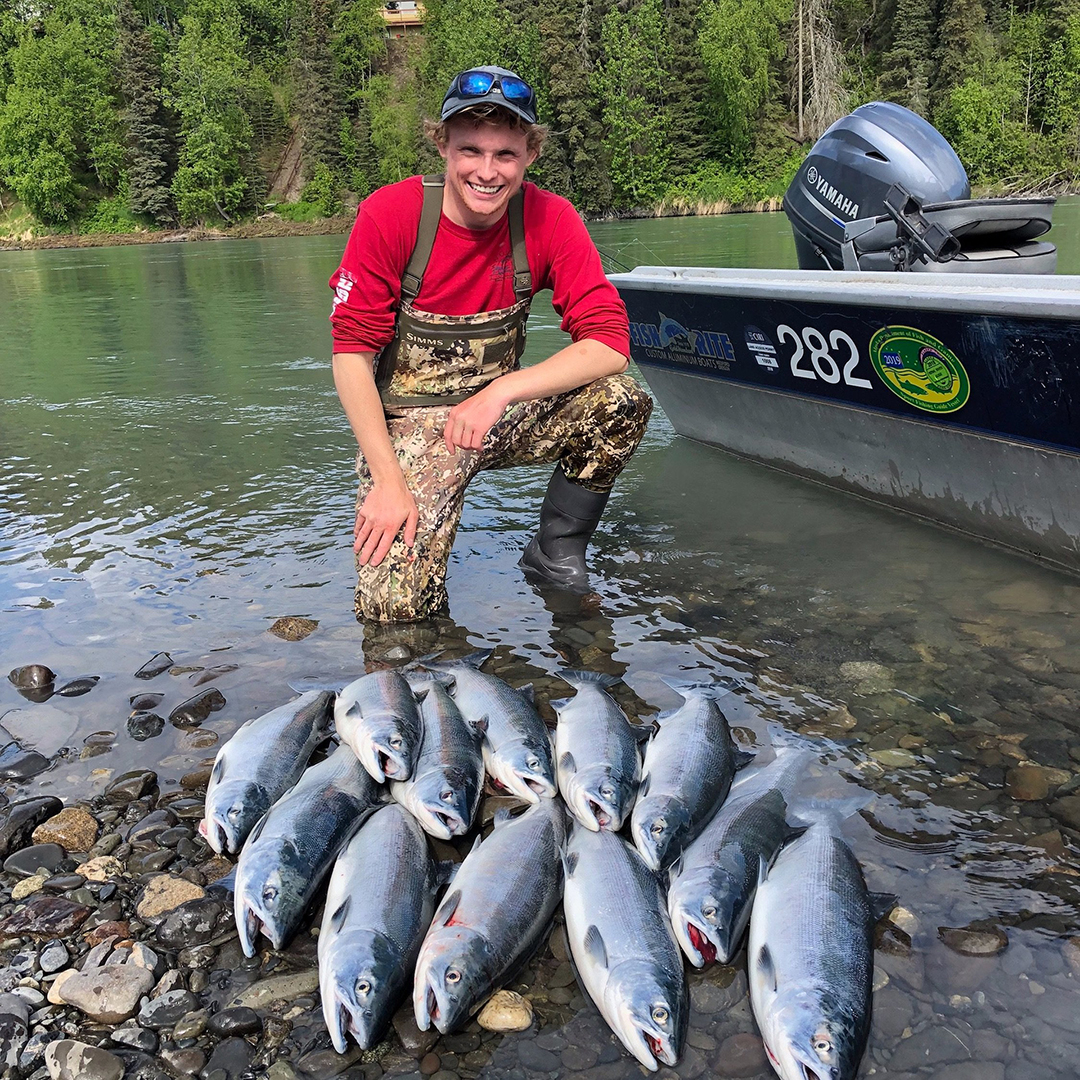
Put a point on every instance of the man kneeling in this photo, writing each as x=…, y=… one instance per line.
x=430, y=305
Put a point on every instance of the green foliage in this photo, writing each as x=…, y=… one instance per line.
x=741, y=42
x=716, y=185
x=394, y=108
x=110, y=214
x=323, y=191
x=59, y=125
x=208, y=92
x=631, y=79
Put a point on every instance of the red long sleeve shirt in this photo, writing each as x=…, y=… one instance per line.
x=470, y=271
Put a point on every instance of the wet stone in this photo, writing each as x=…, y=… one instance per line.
x=18, y=763
x=54, y=957
x=191, y=1026
x=692, y=1063
x=68, y=1059
x=145, y=725
x=577, y=1058
x=156, y=665
x=150, y=862
x=130, y=786
x=166, y=893
x=1027, y=783
x=936, y=1045
x=64, y=883
x=136, y=1038
x=237, y=1021
x=506, y=1011
x=193, y=923
x=167, y=1010
x=30, y=860
x=31, y=677
x=81, y=684
x=21, y=818
x=293, y=628
x=974, y=941
x=560, y=995
x=187, y=1062
x=231, y=1057
x=152, y=826
x=536, y=1058
x=429, y=1064
x=972, y=1070
x=324, y=1064
x=46, y=917
x=196, y=709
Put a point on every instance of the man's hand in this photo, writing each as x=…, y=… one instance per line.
x=379, y=520
x=473, y=418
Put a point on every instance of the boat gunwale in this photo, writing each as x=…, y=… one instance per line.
x=1047, y=296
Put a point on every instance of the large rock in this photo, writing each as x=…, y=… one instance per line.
x=46, y=917
x=67, y=1059
x=165, y=893
x=108, y=993
x=20, y=819
x=74, y=829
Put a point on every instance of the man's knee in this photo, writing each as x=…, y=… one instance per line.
x=402, y=588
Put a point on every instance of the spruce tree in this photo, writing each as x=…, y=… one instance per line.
x=151, y=152
x=960, y=35
x=907, y=65
x=318, y=96
x=687, y=113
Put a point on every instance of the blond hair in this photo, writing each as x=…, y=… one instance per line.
x=489, y=113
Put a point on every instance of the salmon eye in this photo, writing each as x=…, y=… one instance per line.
x=658, y=827
x=822, y=1045
x=447, y=796
x=453, y=975
x=233, y=813
x=709, y=912
x=363, y=987
x=396, y=741
x=607, y=791
x=532, y=763
x=660, y=1014
x=269, y=895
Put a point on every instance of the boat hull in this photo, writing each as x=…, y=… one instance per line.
x=957, y=404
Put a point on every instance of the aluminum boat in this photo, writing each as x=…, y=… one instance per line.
x=951, y=395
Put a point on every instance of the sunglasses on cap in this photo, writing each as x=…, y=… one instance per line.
x=477, y=83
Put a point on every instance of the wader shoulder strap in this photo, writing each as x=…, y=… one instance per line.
x=522, y=274
x=413, y=277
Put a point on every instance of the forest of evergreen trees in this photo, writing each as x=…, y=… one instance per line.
x=116, y=114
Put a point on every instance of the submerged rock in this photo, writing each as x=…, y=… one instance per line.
x=292, y=628
x=156, y=665
x=196, y=709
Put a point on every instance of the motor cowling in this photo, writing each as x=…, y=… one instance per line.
x=853, y=166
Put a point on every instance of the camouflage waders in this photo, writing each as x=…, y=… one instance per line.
x=434, y=362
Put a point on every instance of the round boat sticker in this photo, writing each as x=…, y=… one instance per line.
x=919, y=369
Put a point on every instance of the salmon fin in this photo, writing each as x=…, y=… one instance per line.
x=744, y=758
x=567, y=763
x=480, y=726
x=338, y=918
x=570, y=861
x=446, y=870
x=560, y=703
x=218, y=770
x=476, y=659
x=763, y=870
x=595, y=947
x=881, y=903
x=832, y=812
x=579, y=680
x=766, y=967
x=505, y=814
x=447, y=909
x=420, y=693
x=792, y=831
x=642, y=732
x=528, y=692
x=643, y=788
x=307, y=683
x=719, y=687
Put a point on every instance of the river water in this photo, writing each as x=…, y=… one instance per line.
x=176, y=475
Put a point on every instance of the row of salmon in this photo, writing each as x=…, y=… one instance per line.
x=813, y=938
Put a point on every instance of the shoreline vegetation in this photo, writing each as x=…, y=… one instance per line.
x=271, y=226
x=187, y=119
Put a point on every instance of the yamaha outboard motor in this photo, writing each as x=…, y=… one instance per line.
x=883, y=190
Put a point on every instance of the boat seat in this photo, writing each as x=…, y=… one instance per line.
x=995, y=236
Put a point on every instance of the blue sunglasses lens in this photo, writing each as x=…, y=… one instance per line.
x=475, y=83
x=516, y=90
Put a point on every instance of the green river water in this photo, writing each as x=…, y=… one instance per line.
x=176, y=474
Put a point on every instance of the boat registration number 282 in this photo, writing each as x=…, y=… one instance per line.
x=812, y=357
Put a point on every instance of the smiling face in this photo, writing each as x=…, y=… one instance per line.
x=485, y=166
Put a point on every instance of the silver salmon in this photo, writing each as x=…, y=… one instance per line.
x=447, y=781
x=596, y=752
x=811, y=957
x=498, y=908
x=517, y=746
x=712, y=886
x=262, y=760
x=377, y=716
x=292, y=848
x=689, y=765
x=623, y=946
x=378, y=907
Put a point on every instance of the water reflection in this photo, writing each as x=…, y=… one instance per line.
x=176, y=476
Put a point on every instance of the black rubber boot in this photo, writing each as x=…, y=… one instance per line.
x=568, y=518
